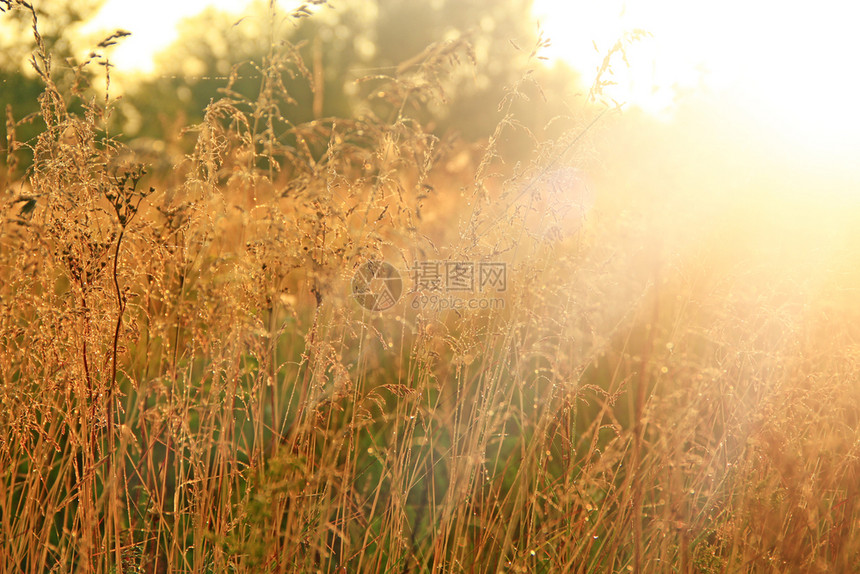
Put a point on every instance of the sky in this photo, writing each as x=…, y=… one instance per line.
x=776, y=61
x=784, y=54
x=153, y=25
x=777, y=58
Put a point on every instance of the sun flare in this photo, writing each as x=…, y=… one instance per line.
x=782, y=66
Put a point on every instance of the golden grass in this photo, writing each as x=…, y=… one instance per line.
x=188, y=386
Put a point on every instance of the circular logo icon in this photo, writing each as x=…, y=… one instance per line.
x=377, y=286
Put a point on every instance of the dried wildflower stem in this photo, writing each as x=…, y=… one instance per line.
x=120, y=302
x=115, y=465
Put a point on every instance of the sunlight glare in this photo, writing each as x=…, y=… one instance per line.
x=786, y=66
x=154, y=26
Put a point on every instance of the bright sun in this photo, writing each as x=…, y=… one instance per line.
x=787, y=66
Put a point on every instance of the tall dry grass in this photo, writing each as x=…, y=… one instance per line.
x=187, y=384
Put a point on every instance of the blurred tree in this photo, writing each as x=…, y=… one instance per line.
x=20, y=86
x=493, y=28
x=57, y=20
x=218, y=54
x=375, y=40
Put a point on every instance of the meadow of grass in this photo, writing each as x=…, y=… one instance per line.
x=188, y=385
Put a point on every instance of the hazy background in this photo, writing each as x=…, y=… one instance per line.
x=708, y=103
